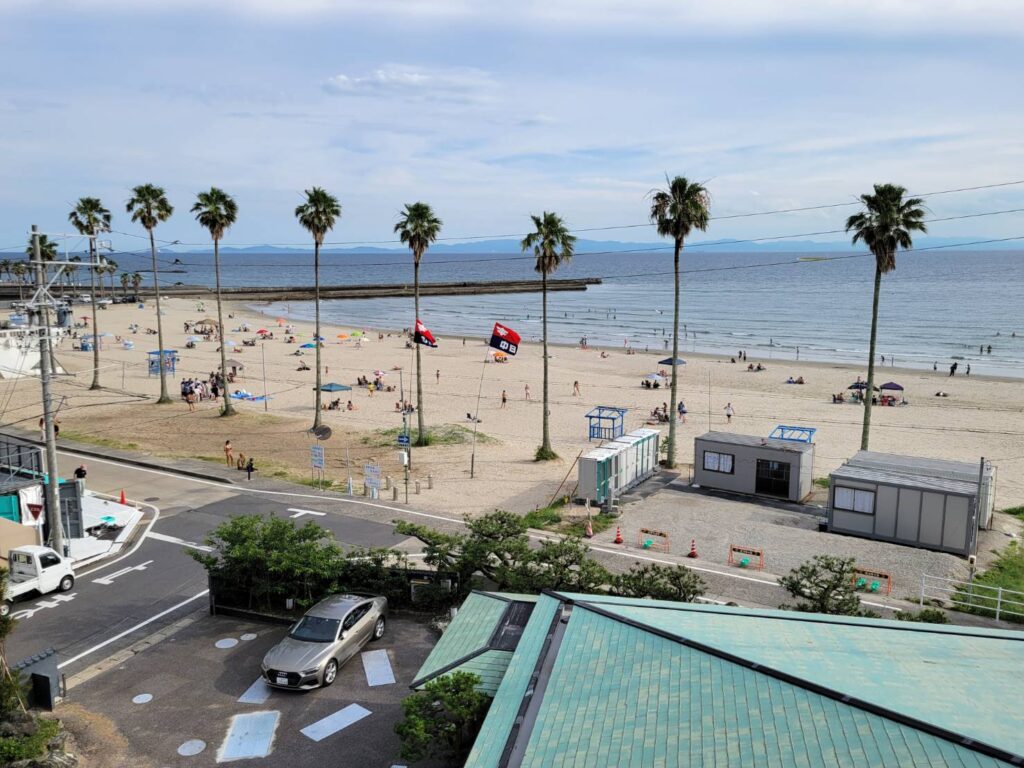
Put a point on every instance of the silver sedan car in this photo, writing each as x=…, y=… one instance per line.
x=330, y=633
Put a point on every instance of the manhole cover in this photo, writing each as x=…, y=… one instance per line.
x=152, y=498
x=191, y=747
x=227, y=642
x=143, y=698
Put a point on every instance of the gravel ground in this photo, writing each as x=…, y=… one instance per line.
x=787, y=538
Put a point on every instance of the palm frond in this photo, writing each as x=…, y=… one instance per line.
x=886, y=223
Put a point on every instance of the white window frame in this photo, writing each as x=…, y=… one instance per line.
x=856, y=500
x=720, y=459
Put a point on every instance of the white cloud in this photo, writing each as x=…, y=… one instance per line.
x=429, y=84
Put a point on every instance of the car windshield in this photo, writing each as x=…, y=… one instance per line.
x=315, y=629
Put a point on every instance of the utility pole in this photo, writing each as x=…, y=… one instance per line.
x=42, y=301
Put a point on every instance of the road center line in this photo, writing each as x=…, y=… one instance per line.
x=128, y=631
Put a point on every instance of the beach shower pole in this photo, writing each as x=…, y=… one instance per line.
x=263, y=354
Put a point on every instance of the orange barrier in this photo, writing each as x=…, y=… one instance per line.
x=870, y=580
x=744, y=557
x=648, y=538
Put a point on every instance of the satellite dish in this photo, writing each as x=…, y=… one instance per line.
x=322, y=432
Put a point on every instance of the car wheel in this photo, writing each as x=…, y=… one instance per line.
x=66, y=583
x=378, y=629
x=330, y=672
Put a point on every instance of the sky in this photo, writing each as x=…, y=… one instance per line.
x=491, y=111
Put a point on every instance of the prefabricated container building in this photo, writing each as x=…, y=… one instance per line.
x=752, y=465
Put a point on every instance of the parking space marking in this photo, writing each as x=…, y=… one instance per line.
x=377, y=667
x=176, y=540
x=257, y=693
x=250, y=735
x=331, y=724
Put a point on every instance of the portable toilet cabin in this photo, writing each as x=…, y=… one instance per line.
x=639, y=456
x=647, y=450
x=599, y=474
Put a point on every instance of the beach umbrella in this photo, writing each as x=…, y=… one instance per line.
x=860, y=385
x=379, y=372
x=891, y=385
x=342, y=335
x=262, y=331
x=208, y=321
x=194, y=339
x=654, y=377
x=332, y=387
x=308, y=345
x=668, y=361
x=356, y=333
x=234, y=363
x=230, y=343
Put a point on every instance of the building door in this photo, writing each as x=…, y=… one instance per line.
x=772, y=478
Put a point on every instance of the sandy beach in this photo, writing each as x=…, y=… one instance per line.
x=980, y=417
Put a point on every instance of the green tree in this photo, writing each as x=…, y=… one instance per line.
x=824, y=584
x=111, y=270
x=11, y=699
x=18, y=270
x=216, y=211
x=318, y=216
x=126, y=280
x=443, y=719
x=5, y=267
x=884, y=226
x=149, y=206
x=676, y=211
x=136, y=279
x=552, y=245
x=90, y=217
x=417, y=228
x=659, y=582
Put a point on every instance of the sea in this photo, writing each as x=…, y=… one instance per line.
x=938, y=307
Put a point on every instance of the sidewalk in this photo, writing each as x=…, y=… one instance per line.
x=99, y=512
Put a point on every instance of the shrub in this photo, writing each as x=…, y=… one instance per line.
x=824, y=584
x=925, y=616
x=660, y=582
x=443, y=719
x=25, y=747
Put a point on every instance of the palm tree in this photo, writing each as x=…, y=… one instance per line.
x=418, y=227
x=884, y=226
x=553, y=246
x=5, y=267
x=90, y=217
x=317, y=216
x=216, y=210
x=111, y=270
x=126, y=280
x=676, y=212
x=19, y=269
x=149, y=206
x=136, y=279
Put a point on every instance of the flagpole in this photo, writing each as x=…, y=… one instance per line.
x=476, y=417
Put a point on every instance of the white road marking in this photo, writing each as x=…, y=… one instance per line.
x=128, y=631
x=249, y=735
x=109, y=578
x=301, y=512
x=176, y=540
x=377, y=667
x=257, y=693
x=331, y=724
x=53, y=601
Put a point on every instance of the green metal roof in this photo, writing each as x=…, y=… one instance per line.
x=752, y=688
x=464, y=645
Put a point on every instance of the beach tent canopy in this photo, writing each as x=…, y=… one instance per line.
x=892, y=385
x=308, y=345
x=332, y=387
x=860, y=385
x=234, y=363
x=208, y=321
x=654, y=377
x=668, y=361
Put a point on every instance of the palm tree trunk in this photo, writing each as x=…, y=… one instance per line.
x=545, y=446
x=95, y=329
x=164, y=397
x=228, y=410
x=421, y=437
x=670, y=457
x=870, y=391
x=316, y=339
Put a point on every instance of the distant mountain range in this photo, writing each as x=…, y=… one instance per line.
x=614, y=246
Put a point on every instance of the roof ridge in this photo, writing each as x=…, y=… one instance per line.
x=953, y=737
x=449, y=667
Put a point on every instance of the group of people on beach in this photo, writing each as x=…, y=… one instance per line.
x=197, y=390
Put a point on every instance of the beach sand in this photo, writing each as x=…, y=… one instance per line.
x=980, y=417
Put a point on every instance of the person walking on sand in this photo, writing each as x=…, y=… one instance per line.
x=229, y=453
x=438, y=375
x=526, y=389
x=968, y=371
x=504, y=398
x=576, y=389
x=729, y=413
x=952, y=369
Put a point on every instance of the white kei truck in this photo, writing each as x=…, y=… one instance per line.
x=35, y=569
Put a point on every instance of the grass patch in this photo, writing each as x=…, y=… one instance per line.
x=821, y=482
x=552, y=518
x=1007, y=572
x=444, y=434
x=104, y=442
x=14, y=748
x=1015, y=511
x=272, y=469
x=597, y=522
x=544, y=517
x=544, y=454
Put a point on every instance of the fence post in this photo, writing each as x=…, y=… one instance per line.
x=999, y=601
x=923, y=577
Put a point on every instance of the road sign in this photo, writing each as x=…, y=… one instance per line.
x=35, y=509
x=371, y=475
x=403, y=440
x=316, y=456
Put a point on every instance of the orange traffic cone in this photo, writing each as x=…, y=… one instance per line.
x=123, y=499
x=693, y=549
x=589, y=532
x=618, y=535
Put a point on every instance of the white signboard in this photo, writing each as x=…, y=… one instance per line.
x=316, y=456
x=371, y=473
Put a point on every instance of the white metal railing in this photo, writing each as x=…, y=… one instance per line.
x=1001, y=603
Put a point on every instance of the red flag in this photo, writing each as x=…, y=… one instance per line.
x=423, y=335
x=505, y=339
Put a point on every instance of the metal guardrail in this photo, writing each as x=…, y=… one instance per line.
x=998, y=602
